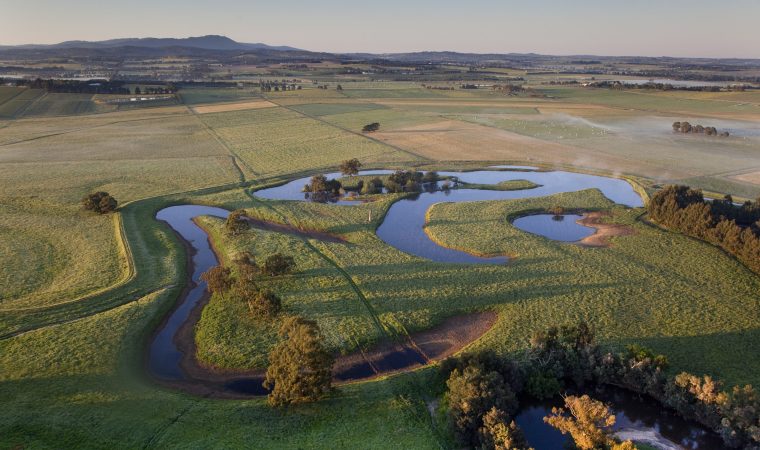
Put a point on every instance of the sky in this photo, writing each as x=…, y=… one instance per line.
x=695, y=28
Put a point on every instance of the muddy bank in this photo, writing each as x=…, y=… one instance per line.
x=604, y=231
x=418, y=350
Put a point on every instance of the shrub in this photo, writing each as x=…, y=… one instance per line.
x=264, y=303
x=218, y=279
x=371, y=127
x=278, y=264
x=99, y=202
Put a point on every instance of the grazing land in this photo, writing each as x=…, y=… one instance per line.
x=82, y=293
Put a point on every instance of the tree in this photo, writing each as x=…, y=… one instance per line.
x=99, y=202
x=496, y=434
x=371, y=127
x=236, y=223
x=247, y=269
x=473, y=391
x=300, y=368
x=218, y=279
x=350, y=167
x=278, y=264
x=338, y=88
x=587, y=420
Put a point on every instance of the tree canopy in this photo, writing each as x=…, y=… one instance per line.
x=99, y=202
x=300, y=367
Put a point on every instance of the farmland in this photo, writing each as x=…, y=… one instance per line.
x=82, y=293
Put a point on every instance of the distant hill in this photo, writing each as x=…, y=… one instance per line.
x=209, y=42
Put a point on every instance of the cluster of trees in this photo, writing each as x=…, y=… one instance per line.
x=76, y=86
x=652, y=85
x=244, y=286
x=736, y=229
x=99, y=202
x=686, y=127
x=269, y=86
x=508, y=89
x=438, y=88
x=569, y=356
x=168, y=89
x=321, y=189
x=371, y=127
x=404, y=181
x=371, y=187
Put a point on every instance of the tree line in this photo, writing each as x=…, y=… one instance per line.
x=76, y=86
x=686, y=127
x=482, y=391
x=734, y=228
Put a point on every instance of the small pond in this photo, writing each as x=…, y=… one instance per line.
x=563, y=227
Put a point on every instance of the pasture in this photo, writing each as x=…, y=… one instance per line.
x=82, y=293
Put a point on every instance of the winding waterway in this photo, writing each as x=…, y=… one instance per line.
x=404, y=224
x=165, y=357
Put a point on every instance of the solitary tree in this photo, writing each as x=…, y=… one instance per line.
x=100, y=202
x=371, y=127
x=218, y=279
x=587, y=420
x=236, y=223
x=350, y=167
x=497, y=434
x=473, y=391
x=300, y=368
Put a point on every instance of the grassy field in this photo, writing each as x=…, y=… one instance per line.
x=275, y=141
x=628, y=290
x=81, y=293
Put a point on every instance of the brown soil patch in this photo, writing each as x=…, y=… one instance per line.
x=604, y=231
x=751, y=177
x=227, y=107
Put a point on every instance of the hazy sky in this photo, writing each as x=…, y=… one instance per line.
x=729, y=28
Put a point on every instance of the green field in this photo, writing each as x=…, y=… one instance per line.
x=81, y=293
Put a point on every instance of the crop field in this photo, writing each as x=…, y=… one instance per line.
x=285, y=141
x=15, y=106
x=227, y=107
x=82, y=293
x=195, y=96
x=64, y=105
